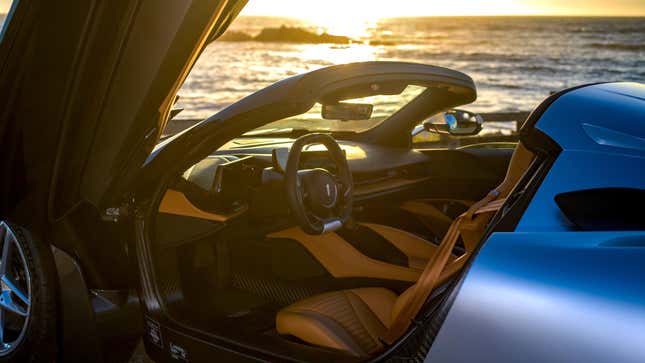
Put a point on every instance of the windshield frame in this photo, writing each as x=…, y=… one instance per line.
x=385, y=105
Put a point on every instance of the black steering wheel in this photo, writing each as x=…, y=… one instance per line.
x=320, y=201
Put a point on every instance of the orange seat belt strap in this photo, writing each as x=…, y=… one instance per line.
x=430, y=275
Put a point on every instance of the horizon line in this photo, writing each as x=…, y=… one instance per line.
x=475, y=15
x=469, y=15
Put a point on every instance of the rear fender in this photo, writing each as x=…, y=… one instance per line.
x=78, y=336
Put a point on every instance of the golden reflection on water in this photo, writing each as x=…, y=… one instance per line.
x=338, y=54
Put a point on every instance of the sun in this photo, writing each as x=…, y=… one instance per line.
x=352, y=19
x=353, y=27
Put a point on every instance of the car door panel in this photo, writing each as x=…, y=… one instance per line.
x=586, y=297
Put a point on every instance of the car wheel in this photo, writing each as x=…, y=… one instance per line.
x=27, y=300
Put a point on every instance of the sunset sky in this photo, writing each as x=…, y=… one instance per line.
x=311, y=10
x=349, y=17
x=5, y=5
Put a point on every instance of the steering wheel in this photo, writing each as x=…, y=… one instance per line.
x=320, y=201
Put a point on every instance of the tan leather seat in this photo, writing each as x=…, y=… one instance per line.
x=342, y=260
x=348, y=320
x=355, y=321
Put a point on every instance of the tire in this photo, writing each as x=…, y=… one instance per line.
x=37, y=340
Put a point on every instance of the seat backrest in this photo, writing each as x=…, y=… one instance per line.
x=470, y=226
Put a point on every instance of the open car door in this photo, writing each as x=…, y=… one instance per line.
x=86, y=91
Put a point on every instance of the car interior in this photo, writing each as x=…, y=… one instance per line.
x=243, y=251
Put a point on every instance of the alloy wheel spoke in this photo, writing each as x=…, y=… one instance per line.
x=8, y=283
x=6, y=303
x=4, y=234
x=7, y=249
x=1, y=327
x=15, y=290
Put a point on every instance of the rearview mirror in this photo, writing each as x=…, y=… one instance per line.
x=454, y=122
x=347, y=111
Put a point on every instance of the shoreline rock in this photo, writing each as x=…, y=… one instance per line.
x=285, y=34
x=235, y=36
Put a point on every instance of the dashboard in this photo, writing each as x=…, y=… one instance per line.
x=248, y=174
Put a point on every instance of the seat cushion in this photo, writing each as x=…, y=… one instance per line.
x=341, y=259
x=349, y=320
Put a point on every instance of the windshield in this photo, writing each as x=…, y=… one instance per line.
x=383, y=107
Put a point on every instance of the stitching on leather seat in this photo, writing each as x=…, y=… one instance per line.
x=348, y=295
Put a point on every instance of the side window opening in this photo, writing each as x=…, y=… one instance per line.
x=7, y=8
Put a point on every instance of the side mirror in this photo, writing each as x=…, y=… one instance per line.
x=454, y=122
x=347, y=111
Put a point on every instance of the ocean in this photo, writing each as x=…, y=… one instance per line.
x=515, y=61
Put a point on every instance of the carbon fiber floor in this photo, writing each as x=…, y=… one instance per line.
x=273, y=290
x=139, y=355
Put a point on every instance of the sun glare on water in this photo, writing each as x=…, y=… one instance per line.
x=337, y=54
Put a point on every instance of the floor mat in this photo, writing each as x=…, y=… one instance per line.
x=230, y=310
x=259, y=320
x=276, y=291
x=234, y=302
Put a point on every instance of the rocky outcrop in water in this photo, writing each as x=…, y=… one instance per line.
x=235, y=36
x=285, y=34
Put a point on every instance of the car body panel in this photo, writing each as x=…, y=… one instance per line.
x=547, y=291
x=602, y=159
x=579, y=170
x=79, y=334
x=619, y=107
x=549, y=297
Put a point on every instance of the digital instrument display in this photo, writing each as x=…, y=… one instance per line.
x=308, y=159
x=231, y=179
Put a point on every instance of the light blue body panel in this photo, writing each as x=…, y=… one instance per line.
x=579, y=170
x=548, y=293
x=601, y=130
x=614, y=106
x=550, y=297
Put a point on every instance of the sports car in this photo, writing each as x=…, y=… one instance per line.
x=302, y=223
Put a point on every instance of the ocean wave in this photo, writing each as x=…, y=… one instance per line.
x=618, y=46
x=503, y=85
x=514, y=69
